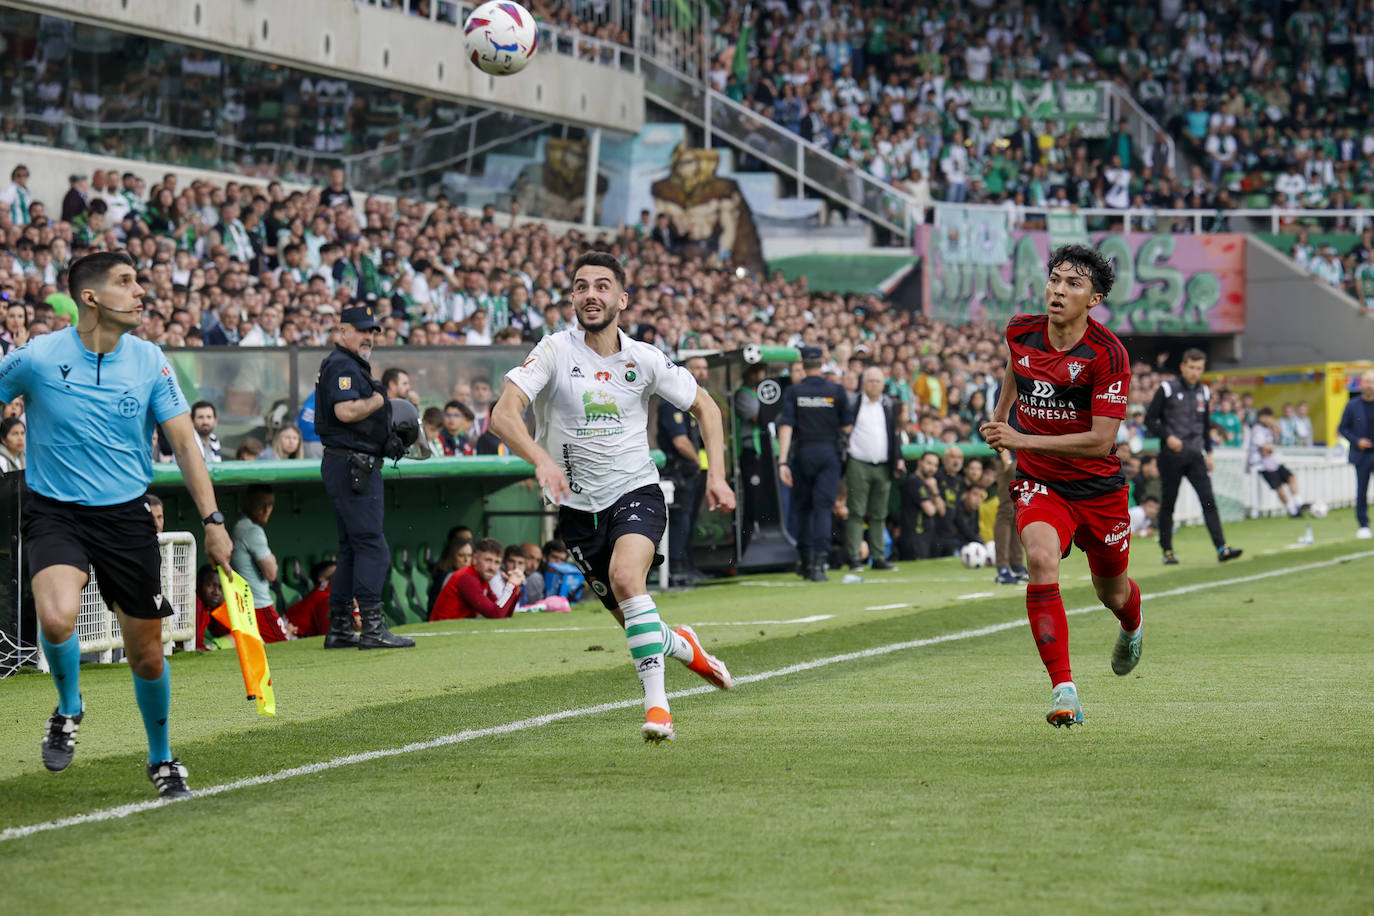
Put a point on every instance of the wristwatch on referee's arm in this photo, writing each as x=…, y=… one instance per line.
x=214, y=518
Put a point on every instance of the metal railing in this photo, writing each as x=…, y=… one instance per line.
x=382, y=169
x=808, y=165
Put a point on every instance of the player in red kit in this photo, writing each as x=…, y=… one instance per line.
x=1068, y=378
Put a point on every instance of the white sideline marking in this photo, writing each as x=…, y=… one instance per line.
x=122, y=811
x=709, y=623
x=887, y=607
x=976, y=595
x=814, y=618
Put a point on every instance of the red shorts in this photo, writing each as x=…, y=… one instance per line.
x=1101, y=526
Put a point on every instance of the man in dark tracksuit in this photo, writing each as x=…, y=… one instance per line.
x=1178, y=416
x=819, y=411
x=1357, y=428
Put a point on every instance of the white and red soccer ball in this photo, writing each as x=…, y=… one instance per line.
x=500, y=37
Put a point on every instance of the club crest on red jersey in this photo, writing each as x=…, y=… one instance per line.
x=1075, y=367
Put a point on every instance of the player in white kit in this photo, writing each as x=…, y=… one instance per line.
x=590, y=388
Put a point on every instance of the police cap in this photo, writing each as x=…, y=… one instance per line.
x=811, y=357
x=361, y=316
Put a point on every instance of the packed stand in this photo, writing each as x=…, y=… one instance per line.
x=1351, y=272
x=888, y=89
x=1271, y=101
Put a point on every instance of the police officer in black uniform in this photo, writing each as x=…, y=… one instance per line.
x=680, y=439
x=1180, y=416
x=353, y=420
x=819, y=411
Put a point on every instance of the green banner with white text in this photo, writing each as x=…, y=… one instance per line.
x=1037, y=100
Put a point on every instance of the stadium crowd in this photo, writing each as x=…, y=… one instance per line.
x=260, y=266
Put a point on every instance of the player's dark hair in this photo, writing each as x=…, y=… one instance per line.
x=92, y=270
x=391, y=375
x=199, y=404
x=205, y=575
x=488, y=545
x=1193, y=354
x=317, y=570
x=1088, y=260
x=1265, y=412
x=462, y=408
x=600, y=259
x=514, y=550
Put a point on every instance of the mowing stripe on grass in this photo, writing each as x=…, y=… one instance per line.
x=814, y=618
x=122, y=811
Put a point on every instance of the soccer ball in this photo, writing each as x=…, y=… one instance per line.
x=1318, y=510
x=500, y=37
x=974, y=554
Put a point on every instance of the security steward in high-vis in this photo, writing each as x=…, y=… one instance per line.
x=1180, y=416
x=819, y=412
x=679, y=437
x=353, y=420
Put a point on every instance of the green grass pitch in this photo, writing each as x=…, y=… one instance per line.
x=884, y=751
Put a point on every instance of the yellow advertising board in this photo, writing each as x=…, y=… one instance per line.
x=1324, y=386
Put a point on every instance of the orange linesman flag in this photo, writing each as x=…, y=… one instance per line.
x=237, y=613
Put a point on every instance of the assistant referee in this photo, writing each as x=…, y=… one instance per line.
x=94, y=396
x=1178, y=417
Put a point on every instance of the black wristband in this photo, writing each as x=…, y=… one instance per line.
x=214, y=518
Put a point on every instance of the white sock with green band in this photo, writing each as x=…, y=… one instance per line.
x=676, y=646
x=644, y=634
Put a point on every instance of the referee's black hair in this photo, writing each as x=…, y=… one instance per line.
x=90, y=271
x=600, y=259
x=1090, y=261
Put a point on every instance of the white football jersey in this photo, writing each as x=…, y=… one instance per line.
x=591, y=413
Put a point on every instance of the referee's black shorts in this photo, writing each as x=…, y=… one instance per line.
x=119, y=542
x=591, y=536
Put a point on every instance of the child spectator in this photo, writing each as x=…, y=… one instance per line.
x=209, y=597
x=13, y=437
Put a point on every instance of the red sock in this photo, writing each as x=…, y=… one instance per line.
x=1050, y=627
x=1129, y=615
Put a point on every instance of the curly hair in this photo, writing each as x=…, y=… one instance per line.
x=1087, y=260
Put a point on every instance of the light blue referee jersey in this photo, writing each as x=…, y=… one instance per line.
x=90, y=415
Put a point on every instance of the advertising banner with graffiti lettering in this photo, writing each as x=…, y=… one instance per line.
x=975, y=268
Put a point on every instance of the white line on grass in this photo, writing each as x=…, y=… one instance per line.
x=976, y=595
x=122, y=811
x=711, y=623
x=887, y=607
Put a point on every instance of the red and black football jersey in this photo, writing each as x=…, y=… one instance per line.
x=1059, y=392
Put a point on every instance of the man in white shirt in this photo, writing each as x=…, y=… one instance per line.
x=590, y=388
x=1143, y=517
x=478, y=334
x=874, y=459
x=17, y=197
x=978, y=59
x=1118, y=195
